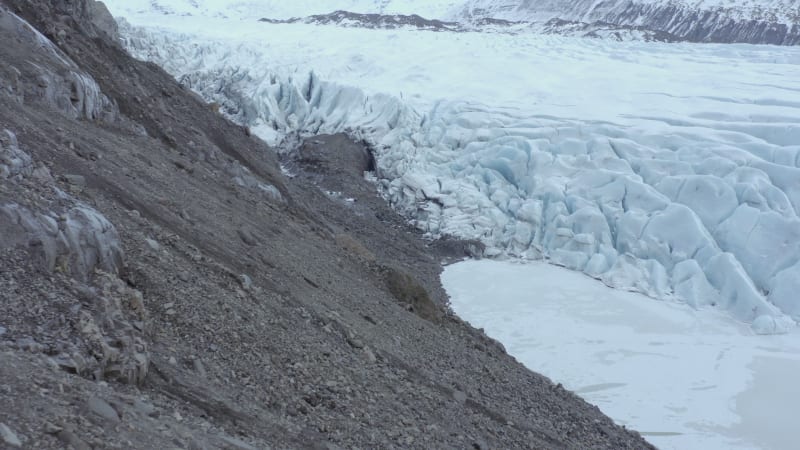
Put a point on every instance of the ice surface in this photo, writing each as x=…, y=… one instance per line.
x=685, y=378
x=670, y=169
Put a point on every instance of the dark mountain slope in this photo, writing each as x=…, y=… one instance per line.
x=163, y=285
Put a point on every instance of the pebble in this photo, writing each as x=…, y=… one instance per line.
x=460, y=397
x=247, y=237
x=246, y=281
x=198, y=367
x=75, y=180
x=154, y=246
x=2, y=331
x=70, y=439
x=145, y=408
x=237, y=444
x=101, y=408
x=8, y=436
x=355, y=342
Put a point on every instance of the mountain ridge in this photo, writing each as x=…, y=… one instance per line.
x=755, y=22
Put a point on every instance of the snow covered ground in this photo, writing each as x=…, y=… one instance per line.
x=686, y=379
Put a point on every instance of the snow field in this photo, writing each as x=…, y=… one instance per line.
x=686, y=379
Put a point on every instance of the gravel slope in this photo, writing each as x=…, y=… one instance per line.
x=164, y=285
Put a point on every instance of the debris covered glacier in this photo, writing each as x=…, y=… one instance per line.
x=668, y=169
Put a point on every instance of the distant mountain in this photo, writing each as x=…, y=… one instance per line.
x=283, y=9
x=723, y=21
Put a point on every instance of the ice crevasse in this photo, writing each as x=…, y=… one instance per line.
x=677, y=211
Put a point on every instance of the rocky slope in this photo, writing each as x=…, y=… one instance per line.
x=743, y=21
x=164, y=285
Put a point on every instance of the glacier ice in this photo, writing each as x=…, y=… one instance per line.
x=699, y=205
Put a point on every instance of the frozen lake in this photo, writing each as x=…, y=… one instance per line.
x=684, y=378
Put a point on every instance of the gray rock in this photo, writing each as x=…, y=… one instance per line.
x=199, y=368
x=70, y=439
x=2, y=331
x=197, y=444
x=460, y=397
x=370, y=355
x=247, y=282
x=154, y=246
x=355, y=342
x=236, y=444
x=13, y=160
x=80, y=240
x=42, y=174
x=102, y=409
x=145, y=408
x=8, y=436
x=246, y=237
x=75, y=180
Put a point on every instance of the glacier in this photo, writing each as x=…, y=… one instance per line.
x=668, y=169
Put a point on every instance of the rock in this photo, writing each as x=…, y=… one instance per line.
x=144, y=408
x=197, y=444
x=173, y=361
x=154, y=246
x=247, y=282
x=370, y=355
x=480, y=444
x=51, y=428
x=8, y=436
x=102, y=409
x=42, y=174
x=74, y=180
x=70, y=439
x=246, y=237
x=408, y=290
x=236, y=444
x=184, y=276
x=86, y=293
x=198, y=367
x=355, y=342
x=460, y=397
x=78, y=241
x=2, y=331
